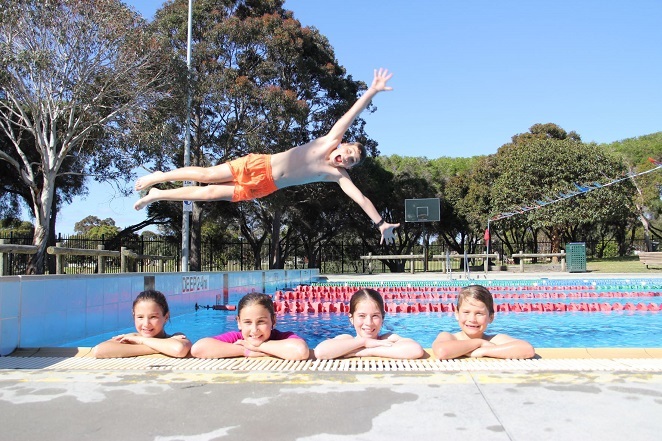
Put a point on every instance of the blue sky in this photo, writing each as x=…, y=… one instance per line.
x=469, y=74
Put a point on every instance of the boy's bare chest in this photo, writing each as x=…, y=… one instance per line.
x=301, y=167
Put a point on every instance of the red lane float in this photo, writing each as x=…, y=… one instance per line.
x=300, y=307
x=336, y=296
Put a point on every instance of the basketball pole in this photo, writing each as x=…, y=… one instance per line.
x=425, y=249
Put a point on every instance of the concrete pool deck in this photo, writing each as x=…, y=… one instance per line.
x=64, y=394
x=583, y=393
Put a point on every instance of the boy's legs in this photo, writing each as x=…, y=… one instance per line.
x=217, y=174
x=219, y=192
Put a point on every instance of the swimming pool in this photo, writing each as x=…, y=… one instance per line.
x=620, y=328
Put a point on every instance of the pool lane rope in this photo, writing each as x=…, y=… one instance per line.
x=314, y=307
x=335, y=299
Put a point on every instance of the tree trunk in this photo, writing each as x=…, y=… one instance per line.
x=555, y=239
x=42, y=206
x=311, y=255
x=50, y=260
x=647, y=234
x=275, y=261
x=195, y=256
x=257, y=255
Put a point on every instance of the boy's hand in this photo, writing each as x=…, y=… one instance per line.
x=380, y=79
x=387, y=233
x=376, y=343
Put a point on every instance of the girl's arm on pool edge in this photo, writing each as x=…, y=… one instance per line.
x=504, y=346
x=209, y=347
x=287, y=349
x=401, y=348
x=338, y=346
x=132, y=345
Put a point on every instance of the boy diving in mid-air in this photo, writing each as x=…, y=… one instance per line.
x=325, y=159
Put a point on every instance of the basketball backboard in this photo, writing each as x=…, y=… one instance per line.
x=422, y=210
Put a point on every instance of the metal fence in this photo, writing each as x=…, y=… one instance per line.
x=332, y=258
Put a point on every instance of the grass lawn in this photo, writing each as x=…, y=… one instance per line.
x=630, y=264
x=625, y=265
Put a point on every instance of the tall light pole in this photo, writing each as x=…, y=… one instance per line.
x=187, y=206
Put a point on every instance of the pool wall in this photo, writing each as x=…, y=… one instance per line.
x=37, y=311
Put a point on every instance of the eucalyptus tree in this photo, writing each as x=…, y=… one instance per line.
x=75, y=75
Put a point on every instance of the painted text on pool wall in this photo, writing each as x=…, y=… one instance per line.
x=195, y=283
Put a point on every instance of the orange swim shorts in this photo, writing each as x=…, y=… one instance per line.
x=252, y=177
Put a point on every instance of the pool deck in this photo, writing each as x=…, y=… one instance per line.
x=562, y=394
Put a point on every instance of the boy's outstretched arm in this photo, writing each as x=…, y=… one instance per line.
x=378, y=85
x=353, y=192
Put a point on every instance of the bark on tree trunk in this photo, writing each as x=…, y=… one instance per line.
x=195, y=261
x=42, y=210
x=275, y=255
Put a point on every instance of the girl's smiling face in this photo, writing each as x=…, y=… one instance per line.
x=255, y=323
x=149, y=319
x=367, y=319
x=473, y=317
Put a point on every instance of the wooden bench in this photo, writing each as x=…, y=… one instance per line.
x=653, y=258
x=522, y=255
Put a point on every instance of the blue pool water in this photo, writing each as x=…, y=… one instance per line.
x=617, y=329
x=623, y=329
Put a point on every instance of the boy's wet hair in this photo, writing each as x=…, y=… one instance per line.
x=362, y=152
x=154, y=296
x=364, y=294
x=477, y=292
x=258, y=298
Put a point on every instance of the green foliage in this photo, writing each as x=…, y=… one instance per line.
x=635, y=153
x=84, y=226
x=16, y=226
x=549, y=168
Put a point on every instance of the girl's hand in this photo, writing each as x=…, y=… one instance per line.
x=392, y=337
x=126, y=338
x=249, y=349
x=246, y=345
x=133, y=339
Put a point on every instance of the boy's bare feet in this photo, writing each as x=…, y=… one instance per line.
x=150, y=197
x=148, y=180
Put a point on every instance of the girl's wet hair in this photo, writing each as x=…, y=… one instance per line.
x=258, y=298
x=364, y=294
x=477, y=292
x=154, y=296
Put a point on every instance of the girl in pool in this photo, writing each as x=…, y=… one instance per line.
x=366, y=314
x=475, y=310
x=150, y=314
x=256, y=336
